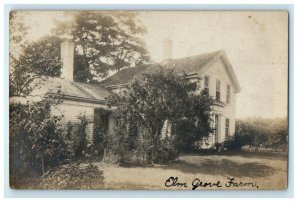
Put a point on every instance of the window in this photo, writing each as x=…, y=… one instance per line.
x=218, y=91
x=206, y=84
x=227, y=128
x=228, y=94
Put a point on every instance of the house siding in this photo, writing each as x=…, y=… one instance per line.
x=71, y=110
x=218, y=72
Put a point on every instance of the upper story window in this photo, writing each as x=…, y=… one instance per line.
x=206, y=84
x=228, y=94
x=218, y=90
x=227, y=128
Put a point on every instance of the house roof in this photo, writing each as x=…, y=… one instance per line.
x=194, y=64
x=70, y=90
x=98, y=93
x=188, y=64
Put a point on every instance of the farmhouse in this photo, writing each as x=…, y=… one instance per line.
x=212, y=72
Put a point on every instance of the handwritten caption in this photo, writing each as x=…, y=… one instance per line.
x=231, y=182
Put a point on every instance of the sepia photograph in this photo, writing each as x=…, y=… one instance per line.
x=148, y=100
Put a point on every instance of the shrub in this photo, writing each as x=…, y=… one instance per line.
x=166, y=152
x=79, y=135
x=98, y=140
x=37, y=139
x=261, y=132
x=77, y=138
x=232, y=144
x=73, y=176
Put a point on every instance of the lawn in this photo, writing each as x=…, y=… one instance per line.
x=254, y=171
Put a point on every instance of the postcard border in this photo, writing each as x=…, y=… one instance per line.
x=288, y=193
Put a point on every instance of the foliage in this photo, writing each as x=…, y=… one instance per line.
x=80, y=135
x=236, y=142
x=21, y=79
x=40, y=141
x=37, y=138
x=73, y=176
x=279, y=135
x=17, y=43
x=41, y=56
x=38, y=60
x=153, y=98
x=259, y=132
x=30, y=61
x=100, y=140
x=18, y=29
x=77, y=136
x=196, y=124
x=167, y=151
x=104, y=41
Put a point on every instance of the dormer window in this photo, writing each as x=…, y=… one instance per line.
x=218, y=91
x=206, y=84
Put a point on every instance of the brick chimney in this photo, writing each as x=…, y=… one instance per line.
x=67, y=58
x=167, y=49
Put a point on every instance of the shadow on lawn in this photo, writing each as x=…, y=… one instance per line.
x=261, y=155
x=224, y=168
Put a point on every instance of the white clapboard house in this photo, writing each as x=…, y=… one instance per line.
x=212, y=71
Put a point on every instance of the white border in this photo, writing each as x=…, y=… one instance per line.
x=294, y=82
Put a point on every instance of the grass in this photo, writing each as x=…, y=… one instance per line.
x=267, y=170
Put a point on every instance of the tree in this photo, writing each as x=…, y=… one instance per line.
x=104, y=41
x=197, y=122
x=17, y=43
x=38, y=61
x=153, y=98
x=278, y=137
x=29, y=62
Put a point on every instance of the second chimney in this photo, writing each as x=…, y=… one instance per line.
x=67, y=58
x=167, y=49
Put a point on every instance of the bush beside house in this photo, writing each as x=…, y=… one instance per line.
x=40, y=141
x=259, y=134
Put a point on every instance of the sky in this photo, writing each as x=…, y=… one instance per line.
x=255, y=42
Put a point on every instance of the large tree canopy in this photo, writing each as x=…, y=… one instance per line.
x=105, y=42
x=39, y=59
x=153, y=98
